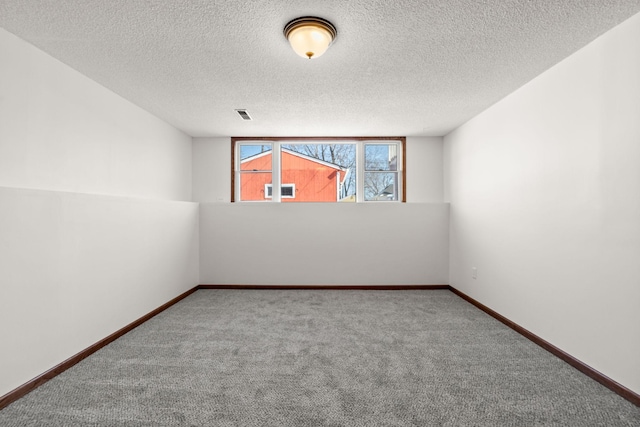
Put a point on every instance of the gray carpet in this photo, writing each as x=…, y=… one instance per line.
x=321, y=358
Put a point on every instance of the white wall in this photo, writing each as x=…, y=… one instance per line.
x=211, y=169
x=78, y=267
x=60, y=130
x=95, y=231
x=322, y=243
x=545, y=201
x=425, y=170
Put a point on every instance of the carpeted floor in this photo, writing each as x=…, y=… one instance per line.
x=321, y=358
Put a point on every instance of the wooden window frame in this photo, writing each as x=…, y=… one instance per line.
x=319, y=139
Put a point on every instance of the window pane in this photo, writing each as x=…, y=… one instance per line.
x=287, y=191
x=380, y=186
x=255, y=157
x=381, y=157
x=318, y=172
x=252, y=185
x=254, y=171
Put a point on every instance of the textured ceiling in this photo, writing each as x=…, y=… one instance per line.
x=404, y=67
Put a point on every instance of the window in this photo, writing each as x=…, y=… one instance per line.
x=318, y=169
x=254, y=170
x=381, y=172
x=286, y=191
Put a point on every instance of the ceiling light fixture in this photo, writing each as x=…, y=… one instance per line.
x=310, y=36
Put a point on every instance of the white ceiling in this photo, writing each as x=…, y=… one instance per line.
x=404, y=67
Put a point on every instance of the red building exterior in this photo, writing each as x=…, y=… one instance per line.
x=304, y=178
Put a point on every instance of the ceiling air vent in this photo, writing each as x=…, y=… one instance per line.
x=244, y=114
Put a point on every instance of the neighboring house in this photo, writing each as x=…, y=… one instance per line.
x=387, y=194
x=304, y=178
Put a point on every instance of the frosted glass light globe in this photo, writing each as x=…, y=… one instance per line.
x=310, y=36
x=310, y=41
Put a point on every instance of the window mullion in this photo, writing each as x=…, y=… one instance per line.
x=238, y=173
x=276, y=172
x=359, y=171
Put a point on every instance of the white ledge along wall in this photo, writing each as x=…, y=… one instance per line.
x=545, y=202
x=96, y=224
x=322, y=243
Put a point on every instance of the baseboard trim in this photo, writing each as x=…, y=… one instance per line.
x=612, y=385
x=25, y=388
x=331, y=287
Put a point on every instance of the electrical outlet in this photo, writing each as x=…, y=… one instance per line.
x=474, y=272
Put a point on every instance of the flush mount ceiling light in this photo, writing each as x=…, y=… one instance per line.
x=310, y=36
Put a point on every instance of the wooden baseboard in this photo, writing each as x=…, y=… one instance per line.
x=17, y=393
x=22, y=390
x=612, y=385
x=331, y=287
x=626, y=393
